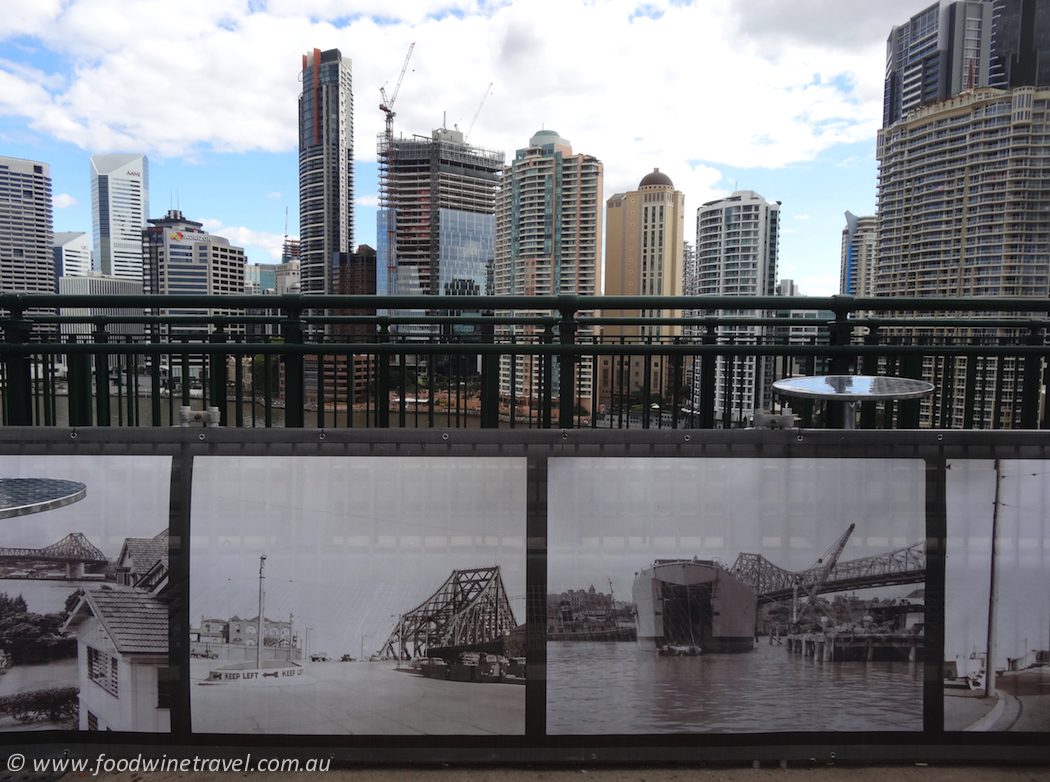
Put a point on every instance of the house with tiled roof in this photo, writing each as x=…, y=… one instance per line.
x=122, y=643
x=139, y=556
x=122, y=652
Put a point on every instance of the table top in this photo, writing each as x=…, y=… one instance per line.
x=854, y=388
x=21, y=496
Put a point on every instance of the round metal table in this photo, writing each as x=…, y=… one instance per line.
x=851, y=390
x=22, y=496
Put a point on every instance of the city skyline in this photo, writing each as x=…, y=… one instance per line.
x=796, y=122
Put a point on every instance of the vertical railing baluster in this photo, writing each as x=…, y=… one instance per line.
x=294, y=368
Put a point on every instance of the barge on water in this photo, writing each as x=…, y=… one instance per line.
x=694, y=604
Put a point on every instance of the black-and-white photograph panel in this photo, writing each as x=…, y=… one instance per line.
x=997, y=596
x=353, y=595
x=84, y=595
x=735, y=595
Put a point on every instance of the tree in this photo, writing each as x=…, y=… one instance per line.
x=28, y=637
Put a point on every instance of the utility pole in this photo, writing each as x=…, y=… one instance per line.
x=262, y=623
x=993, y=596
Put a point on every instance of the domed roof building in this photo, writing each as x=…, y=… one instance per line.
x=644, y=256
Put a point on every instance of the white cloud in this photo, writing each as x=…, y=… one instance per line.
x=818, y=285
x=273, y=194
x=799, y=217
x=227, y=82
x=367, y=200
x=63, y=201
x=269, y=243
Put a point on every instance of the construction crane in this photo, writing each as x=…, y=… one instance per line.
x=387, y=106
x=819, y=574
x=476, y=113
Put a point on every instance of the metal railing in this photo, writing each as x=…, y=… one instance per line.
x=485, y=361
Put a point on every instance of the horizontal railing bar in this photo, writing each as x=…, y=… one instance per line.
x=299, y=302
x=517, y=348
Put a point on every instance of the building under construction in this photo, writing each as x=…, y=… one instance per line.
x=436, y=224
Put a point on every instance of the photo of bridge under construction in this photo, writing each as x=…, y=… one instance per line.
x=364, y=596
x=84, y=597
x=768, y=595
x=997, y=596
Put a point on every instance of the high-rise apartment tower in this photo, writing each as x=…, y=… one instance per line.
x=326, y=166
x=26, y=236
x=737, y=246
x=119, y=209
x=644, y=256
x=941, y=51
x=858, y=259
x=548, y=231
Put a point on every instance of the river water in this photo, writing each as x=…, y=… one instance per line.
x=620, y=688
x=42, y=596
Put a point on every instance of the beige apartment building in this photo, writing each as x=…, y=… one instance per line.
x=644, y=256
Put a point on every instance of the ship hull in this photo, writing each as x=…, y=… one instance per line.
x=691, y=603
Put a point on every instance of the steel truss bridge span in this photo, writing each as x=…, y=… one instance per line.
x=774, y=584
x=471, y=607
x=72, y=548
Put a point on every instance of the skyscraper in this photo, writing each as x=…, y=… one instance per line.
x=119, y=209
x=1021, y=44
x=26, y=237
x=941, y=51
x=180, y=258
x=644, y=256
x=326, y=166
x=964, y=210
x=737, y=246
x=857, y=261
x=548, y=231
x=72, y=250
x=436, y=226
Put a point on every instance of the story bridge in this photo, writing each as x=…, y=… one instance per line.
x=74, y=551
x=774, y=584
x=470, y=610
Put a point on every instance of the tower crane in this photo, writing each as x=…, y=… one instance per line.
x=476, y=113
x=387, y=106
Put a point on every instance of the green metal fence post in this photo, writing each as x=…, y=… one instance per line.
x=489, y=383
x=101, y=337
x=382, y=379
x=217, y=371
x=294, y=369
x=908, y=410
x=78, y=384
x=840, y=363
x=1033, y=367
x=567, y=308
x=708, y=365
x=19, y=370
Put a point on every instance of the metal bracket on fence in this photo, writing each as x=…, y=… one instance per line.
x=188, y=417
x=785, y=420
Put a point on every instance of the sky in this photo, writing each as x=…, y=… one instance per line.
x=780, y=98
x=607, y=519
x=1022, y=560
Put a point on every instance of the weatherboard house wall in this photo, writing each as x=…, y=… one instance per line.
x=122, y=647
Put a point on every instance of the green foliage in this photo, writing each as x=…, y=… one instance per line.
x=26, y=637
x=55, y=704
